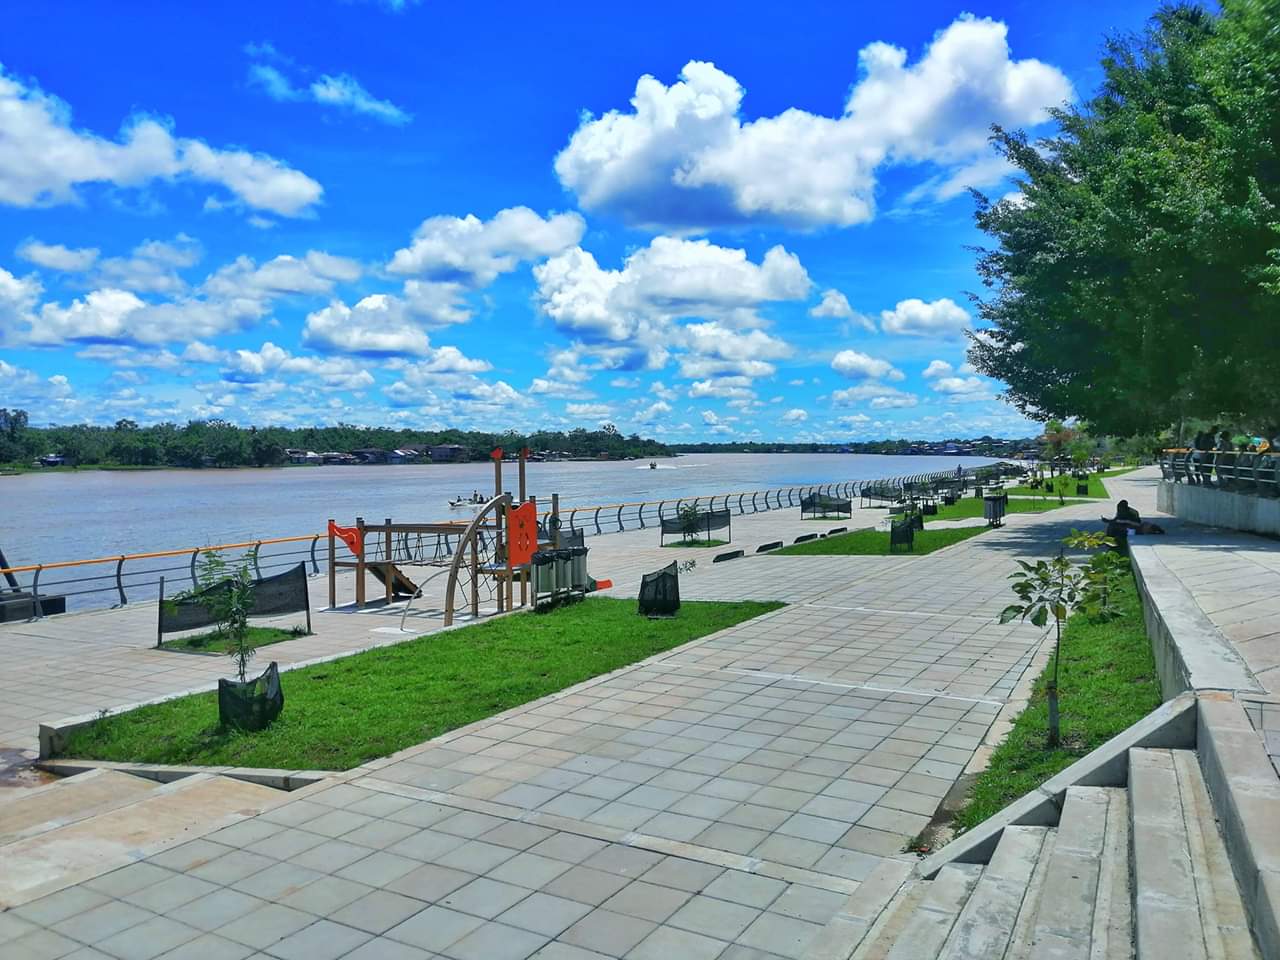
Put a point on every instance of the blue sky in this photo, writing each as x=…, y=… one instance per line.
x=696, y=221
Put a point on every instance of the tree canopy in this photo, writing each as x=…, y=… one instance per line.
x=1135, y=278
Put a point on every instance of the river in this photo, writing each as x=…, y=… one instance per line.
x=54, y=515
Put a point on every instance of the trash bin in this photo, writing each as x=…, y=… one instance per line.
x=993, y=509
x=578, y=568
x=544, y=572
x=564, y=570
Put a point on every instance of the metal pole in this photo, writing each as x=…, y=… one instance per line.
x=388, y=568
x=360, y=564
x=333, y=584
x=120, y=581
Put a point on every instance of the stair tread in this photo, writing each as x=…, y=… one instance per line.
x=1071, y=882
x=1222, y=914
x=78, y=851
x=1113, y=917
x=1165, y=901
x=986, y=923
x=70, y=799
x=925, y=932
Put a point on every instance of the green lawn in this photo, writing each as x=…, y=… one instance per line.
x=340, y=714
x=876, y=543
x=1068, y=485
x=972, y=507
x=215, y=642
x=696, y=543
x=1108, y=682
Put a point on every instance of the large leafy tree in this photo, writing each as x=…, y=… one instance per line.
x=1135, y=279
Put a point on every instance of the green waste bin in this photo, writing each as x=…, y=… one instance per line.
x=578, y=568
x=544, y=572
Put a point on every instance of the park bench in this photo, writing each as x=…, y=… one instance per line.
x=902, y=534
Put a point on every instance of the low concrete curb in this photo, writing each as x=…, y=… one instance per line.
x=1172, y=724
x=288, y=780
x=1246, y=797
x=1190, y=652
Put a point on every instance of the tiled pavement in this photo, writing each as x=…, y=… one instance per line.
x=726, y=799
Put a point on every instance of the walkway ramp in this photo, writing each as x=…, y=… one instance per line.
x=1138, y=871
x=104, y=819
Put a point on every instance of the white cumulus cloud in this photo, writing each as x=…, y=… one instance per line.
x=861, y=366
x=43, y=159
x=914, y=317
x=684, y=157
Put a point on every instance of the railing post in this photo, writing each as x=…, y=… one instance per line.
x=257, y=571
x=640, y=515
x=661, y=504
x=753, y=502
x=572, y=513
x=740, y=507
x=597, y=520
x=620, y=527
x=195, y=555
x=35, y=593
x=120, y=581
x=315, y=567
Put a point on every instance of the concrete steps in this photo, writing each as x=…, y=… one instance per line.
x=1127, y=872
x=68, y=800
x=1186, y=901
x=57, y=853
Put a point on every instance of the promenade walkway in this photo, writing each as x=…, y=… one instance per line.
x=82, y=663
x=743, y=796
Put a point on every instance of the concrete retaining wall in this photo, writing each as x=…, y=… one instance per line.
x=1190, y=652
x=1219, y=508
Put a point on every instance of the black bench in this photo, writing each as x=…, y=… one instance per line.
x=727, y=555
x=772, y=545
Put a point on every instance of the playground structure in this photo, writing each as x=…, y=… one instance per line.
x=489, y=554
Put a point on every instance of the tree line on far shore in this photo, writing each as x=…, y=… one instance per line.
x=217, y=443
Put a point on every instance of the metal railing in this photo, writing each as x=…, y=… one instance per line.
x=1256, y=474
x=117, y=581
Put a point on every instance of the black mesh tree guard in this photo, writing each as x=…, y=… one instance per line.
x=251, y=705
x=660, y=592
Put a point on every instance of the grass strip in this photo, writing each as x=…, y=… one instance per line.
x=215, y=642
x=870, y=543
x=972, y=507
x=1068, y=483
x=1108, y=683
x=342, y=713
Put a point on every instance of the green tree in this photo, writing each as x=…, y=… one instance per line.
x=1135, y=280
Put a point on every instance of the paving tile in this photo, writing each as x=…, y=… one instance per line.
x=529, y=870
x=207, y=946
x=101, y=922
x=378, y=912
x=325, y=895
x=148, y=939
x=494, y=941
x=212, y=911
x=809, y=903
x=485, y=897
x=430, y=882
x=323, y=940
x=380, y=948
x=785, y=936
x=274, y=883
x=264, y=926
x=47, y=911
x=545, y=914
x=41, y=944
x=434, y=929
x=604, y=931
x=714, y=918
x=622, y=861
x=171, y=893
x=379, y=869
x=666, y=943
x=648, y=901
x=745, y=888
x=586, y=885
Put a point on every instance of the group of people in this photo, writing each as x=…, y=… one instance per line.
x=1236, y=463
